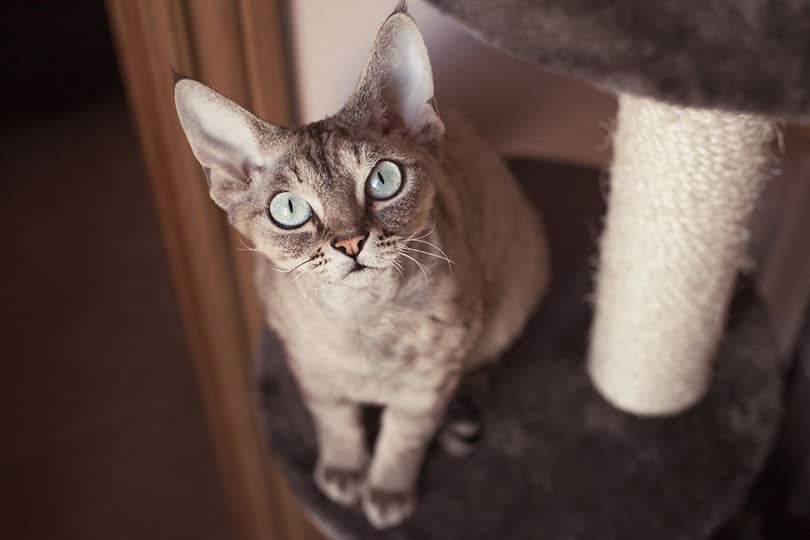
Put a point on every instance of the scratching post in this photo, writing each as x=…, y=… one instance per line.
x=684, y=182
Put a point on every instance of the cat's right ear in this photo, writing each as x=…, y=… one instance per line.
x=226, y=139
x=395, y=91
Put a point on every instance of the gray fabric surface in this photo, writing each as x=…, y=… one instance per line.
x=749, y=55
x=556, y=462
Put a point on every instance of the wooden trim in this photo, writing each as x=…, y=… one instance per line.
x=236, y=47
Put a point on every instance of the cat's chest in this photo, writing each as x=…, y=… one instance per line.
x=369, y=325
x=377, y=369
x=393, y=336
x=379, y=355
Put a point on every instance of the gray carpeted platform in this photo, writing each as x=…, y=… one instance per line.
x=747, y=55
x=556, y=462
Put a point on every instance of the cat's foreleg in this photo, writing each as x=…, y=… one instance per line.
x=342, y=453
x=389, y=493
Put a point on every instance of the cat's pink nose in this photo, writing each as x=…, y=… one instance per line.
x=350, y=246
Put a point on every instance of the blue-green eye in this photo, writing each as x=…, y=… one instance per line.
x=384, y=181
x=288, y=210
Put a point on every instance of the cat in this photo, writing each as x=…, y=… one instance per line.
x=396, y=253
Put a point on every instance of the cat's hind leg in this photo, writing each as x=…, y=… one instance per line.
x=460, y=435
x=464, y=421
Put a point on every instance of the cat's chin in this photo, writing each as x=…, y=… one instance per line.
x=361, y=275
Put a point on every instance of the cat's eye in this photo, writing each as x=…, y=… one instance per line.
x=384, y=181
x=289, y=211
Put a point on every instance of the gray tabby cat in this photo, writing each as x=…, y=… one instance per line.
x=397, y=252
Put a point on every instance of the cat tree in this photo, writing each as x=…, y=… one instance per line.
x=653, y=421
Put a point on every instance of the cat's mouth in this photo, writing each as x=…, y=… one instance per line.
x=359, y=269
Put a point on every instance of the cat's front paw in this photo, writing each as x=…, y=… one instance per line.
x=385, y=509
x=343, y=486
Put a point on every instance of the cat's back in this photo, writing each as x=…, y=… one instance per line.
x=489, y=200
x=500, y=224
x=479, y=180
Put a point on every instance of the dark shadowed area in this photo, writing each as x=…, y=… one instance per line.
x=103, y=435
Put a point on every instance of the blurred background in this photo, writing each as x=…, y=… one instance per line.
x=103, y=432
x=127, y=313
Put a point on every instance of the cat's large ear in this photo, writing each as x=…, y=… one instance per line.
x=226, y=139
x=395, y=92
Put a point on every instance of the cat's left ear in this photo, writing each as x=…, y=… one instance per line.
x=395, y=92
x=231, y=144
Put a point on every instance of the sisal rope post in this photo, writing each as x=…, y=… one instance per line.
x=684, y=183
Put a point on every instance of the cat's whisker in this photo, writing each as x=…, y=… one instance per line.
x=296, y=267
x=282, y=270
x=247, y=247
x=423, y=236
x=285, y=270
x=431, y=244
x=429, y=254
x=420, y=265
x=398, y=268
x=437, y=248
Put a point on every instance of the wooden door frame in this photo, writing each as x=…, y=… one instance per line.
x=237, y=47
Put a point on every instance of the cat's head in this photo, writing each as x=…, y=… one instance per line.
x=338, y=198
